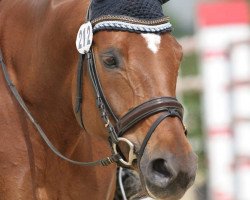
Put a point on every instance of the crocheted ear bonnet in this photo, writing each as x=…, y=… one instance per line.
x=141, y=16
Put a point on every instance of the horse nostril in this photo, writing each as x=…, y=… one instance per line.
x=159, y=166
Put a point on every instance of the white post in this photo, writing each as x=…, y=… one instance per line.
x=220, y=24
x=240, y=87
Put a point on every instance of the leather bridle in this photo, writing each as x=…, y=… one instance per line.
x=166, y=106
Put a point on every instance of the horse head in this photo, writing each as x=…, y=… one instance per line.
x=126, y=79
x=135, y=66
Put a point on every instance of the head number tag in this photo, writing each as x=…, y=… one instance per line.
x=84, y=38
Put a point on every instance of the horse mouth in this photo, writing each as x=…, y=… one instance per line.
x=173, y=191
x=149, y=194
x=168, y=188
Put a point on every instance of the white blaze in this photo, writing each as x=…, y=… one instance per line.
x=153, y=41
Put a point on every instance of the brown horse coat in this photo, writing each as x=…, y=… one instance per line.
x=29, y=32
x=37, y=39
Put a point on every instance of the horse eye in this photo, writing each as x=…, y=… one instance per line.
x=109, y=62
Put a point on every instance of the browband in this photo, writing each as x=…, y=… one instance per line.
x=130, y=24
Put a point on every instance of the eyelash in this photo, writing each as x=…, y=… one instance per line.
x=110, y=61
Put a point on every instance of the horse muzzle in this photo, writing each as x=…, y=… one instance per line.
x=167, y=176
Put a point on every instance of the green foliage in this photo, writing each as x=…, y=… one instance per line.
x=193, y=101
x=189, y=65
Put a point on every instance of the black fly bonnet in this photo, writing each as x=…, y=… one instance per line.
x=141, y=16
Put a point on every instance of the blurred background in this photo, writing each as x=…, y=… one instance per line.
x=214, y=86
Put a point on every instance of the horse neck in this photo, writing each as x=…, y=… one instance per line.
x=45, y=71
x=46, y=88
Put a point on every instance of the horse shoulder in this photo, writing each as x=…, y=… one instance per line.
x=16, y=152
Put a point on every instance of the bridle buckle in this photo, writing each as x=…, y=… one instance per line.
x=132, y=156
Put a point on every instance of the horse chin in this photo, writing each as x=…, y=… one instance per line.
x=164, y=193
x=137, y=186
x=173, y=191
x=156, y=194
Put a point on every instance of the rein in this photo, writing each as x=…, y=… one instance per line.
x=12, y=87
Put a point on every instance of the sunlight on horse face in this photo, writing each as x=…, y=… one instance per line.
x=133, y=69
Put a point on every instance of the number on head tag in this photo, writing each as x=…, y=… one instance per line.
x=84, y=38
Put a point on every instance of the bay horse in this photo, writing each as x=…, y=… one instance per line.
x=136, y=72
